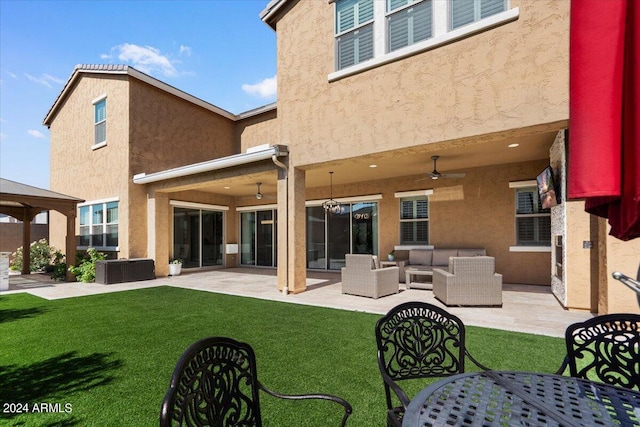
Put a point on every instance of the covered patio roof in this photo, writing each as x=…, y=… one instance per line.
x=24, y=202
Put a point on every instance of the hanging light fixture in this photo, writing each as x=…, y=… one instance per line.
x=331, y=205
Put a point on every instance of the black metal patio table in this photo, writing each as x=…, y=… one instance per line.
x=501, y=398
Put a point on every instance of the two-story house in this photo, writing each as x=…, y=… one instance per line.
x=369, y=91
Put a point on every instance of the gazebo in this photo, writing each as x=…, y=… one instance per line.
x=24, y=202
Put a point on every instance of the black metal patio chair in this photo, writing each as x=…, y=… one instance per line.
x=215, y=383
x=605, y=348
x=418, y=340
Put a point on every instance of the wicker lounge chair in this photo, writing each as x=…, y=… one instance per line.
x=469, y=281
x=359, y=277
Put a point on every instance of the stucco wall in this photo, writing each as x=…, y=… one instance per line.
x=166, y=132
x=625, y=258
x=78, y=169
x=257, y=130
x=148, y=130
x=510, y=77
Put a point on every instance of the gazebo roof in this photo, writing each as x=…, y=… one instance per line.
x=15, y=196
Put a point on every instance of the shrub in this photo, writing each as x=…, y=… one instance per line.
x=59, y=271
x=86, y=270
x=42, y=255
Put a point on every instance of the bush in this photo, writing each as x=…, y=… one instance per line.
x=86, y=270
x=42, y=255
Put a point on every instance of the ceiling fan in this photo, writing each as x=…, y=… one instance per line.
x=261, y=196
x=437, y=175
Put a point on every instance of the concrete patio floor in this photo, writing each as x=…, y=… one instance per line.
x=526, y=308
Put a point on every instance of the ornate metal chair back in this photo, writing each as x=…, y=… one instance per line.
x=606, y=348
x=214, y=384
x=417, y=340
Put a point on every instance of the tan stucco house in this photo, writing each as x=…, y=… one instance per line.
x=368, y=90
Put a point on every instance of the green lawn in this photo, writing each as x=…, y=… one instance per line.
x=109, y=358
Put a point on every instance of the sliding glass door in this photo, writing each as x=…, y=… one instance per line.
x=331, y=236
x=198, y=237
x=258, y=238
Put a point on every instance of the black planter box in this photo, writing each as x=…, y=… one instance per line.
x=124, y=270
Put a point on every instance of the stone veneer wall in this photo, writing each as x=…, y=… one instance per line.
x=558, y=219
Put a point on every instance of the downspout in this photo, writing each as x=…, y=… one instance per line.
x=278, y=163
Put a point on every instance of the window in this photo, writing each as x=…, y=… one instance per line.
x=533, y=224
x=354, y=32
x=100, y=120
x=408, y=22
x=414, y=220
x=374, y=32
x=465, y=12
x=99, y=225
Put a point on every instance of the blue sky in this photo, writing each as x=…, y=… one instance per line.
x=217, y=50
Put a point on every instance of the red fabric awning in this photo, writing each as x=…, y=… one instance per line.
x=604, y=120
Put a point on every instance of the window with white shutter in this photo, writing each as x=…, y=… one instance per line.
x=465, y=12
x=408, y=22
x=354, y=32
x=414, y=220
x=533, y=223
x=369, y=33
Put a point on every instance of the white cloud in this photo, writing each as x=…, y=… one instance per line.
x=146, y=59
x=185, y=50
x=12, y=75
x=36, y=134
x=267, y=88
x=53, y=79
x=45, y=79
x=106, y=56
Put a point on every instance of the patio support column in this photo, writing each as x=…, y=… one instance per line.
x=297, y=265
x=27, y=216
x=158, y=231
x=70, y=243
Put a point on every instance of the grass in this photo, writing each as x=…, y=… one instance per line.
x=109, y=357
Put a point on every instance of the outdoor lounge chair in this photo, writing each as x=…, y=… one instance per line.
x=360, y=277
x=605, y=348
x=215, y=383
x=417, y=340
x=470, y=281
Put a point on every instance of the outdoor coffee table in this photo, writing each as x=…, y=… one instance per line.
x=415, y=272
x=497, y=398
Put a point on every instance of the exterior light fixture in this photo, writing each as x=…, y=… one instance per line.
x=331, y=205
x=514, y=145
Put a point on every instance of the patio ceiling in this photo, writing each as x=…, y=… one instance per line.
x=454, y=157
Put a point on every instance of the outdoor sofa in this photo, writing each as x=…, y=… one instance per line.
x=428, y=259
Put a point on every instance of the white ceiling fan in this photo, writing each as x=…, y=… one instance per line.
x=261, y=196
x=437, y=175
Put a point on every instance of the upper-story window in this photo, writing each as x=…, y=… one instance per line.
x=379, y=31
x=100, y=120
x=465, y=12
x=408, y=22
x=354, y=31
